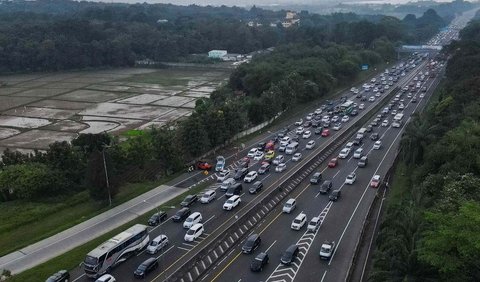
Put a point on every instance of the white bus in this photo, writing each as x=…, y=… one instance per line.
x=291, y=148
x=116, y=250
x=397, y=120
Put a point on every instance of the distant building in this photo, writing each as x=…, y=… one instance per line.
x=290, y=15
x=161, y=21
x=217, y=54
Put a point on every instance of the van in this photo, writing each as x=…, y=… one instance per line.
x=192, y=219
x=361, y=132
x=227, y=184
x=291, y=148
x=235, y=189
x=251, y=244
x=363, y=161
x=194, y=232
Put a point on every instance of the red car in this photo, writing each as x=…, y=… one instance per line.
x=326, y=132
x=375, y=181
x=333, y=162
x=203, y=165
x=244, y=162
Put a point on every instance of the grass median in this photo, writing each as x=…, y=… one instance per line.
x=74, y=257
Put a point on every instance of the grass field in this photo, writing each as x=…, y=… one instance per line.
x=73, y=258
x=177, y=77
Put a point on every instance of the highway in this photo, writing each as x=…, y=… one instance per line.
x=214, y=218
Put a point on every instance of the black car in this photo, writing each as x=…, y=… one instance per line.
x=61, y=276
x=335, y=195
x=290, y=255
x=259, y=262
x=240, y=174
x=359, y=95
x=261, y=146
x=326, y=187
x=256, y=187
x=181, y=214
x=264, y=168
x=357, y=141
x=156, y=218
x=146, y=267
x=374, y=136
x=364, y=98
x=189, y=200
x=316, y=178
x=252, y=243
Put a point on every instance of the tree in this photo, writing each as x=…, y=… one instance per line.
x=166, y=149
x=193, y=136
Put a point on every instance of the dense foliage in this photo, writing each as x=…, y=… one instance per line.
x=58, y=35
x=431, y=233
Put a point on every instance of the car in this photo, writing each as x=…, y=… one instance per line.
x=374, y=136
x=375, y=182
x=220, y=163
x=371, y=99
x=256, y=187
x=354, y=113
x=264, y=168
x=270, y=155
x=318, y=111
x=310, y=145
x=189, y=200
x=299, y=130
x=325, y=132
x=363, y=161
x=194, y=232
x=335, y=118
x=307, y=134
x=261, y=146
x=232, y=202
x=345, y=119
x=326, y=187
x=318, y=130
x=244, y=162
x=358, y=153
x=240, y=173
x=369, y=128
x=258, y=155
x=351, y=178
x=192, y=219
x=278, y=160
x=251, y=176
x=60, y=276
x=377, y=145
x=227, y=184
x=409, y=95
x=259, y=262
x=374, y=122
x=282, y=148
x=385, y=123
x=299, y=221
x=281, y=167
x=204, y=165
x=422, y=95
x=290, y=255
x=335, y=195
x=344, y=153
x=414, y=99
x=157, y=218
x=208, y=196
x=306, y=124
x=299, y=122
x=316, y=178
x=361, y=106
x=314, y=224
x=296, y=157
x=394, y=112
x=157, y=244
x=326, y=250
x=251, y=244
x=181, y=214
x=103, y=278
x=222, y=175
x=289, y=205
x=235, y=189
x=337, y=126
x=146, y=267
x=252, y=152
x=333, y=163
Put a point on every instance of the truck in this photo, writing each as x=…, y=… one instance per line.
x=220, y=163
x=361, y=132
x=327, y=249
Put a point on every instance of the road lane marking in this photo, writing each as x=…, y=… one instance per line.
x=166, y=251
x=270, y=246
x=323, y=276
x=212, y=217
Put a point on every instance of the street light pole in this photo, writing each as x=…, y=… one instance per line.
x=106, y=176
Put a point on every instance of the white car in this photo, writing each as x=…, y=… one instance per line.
x=318, y=111
x=278, y=159
x=252, y=152
x=337, y=126
x=394, y=112
x=299, y=130
x=232, y=202
x=387, y=87
x=299, y=122
x=310, y=145
x=345, y=119
x=285, y=141
x=351, y=178
x=307, y=134
x=259, y=155
x=314, y=224
x=358, y=153
x=223, y=175
x=251, y=176
x=385, y=123
x=296, y=157
x=281, y=167
x=192, y=219
x=344, y=153
x=194, y=232
x=361, y=106
x=377, y=94
x=335, y=118
x=208, y=196
x=299, y=221
x=422, y=95
x=106, y=278
x=377, y=145
x=289, y=205
x=401, y=106
x=309, y=116
x=371, y=99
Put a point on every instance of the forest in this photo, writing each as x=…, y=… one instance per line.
x=431, y=228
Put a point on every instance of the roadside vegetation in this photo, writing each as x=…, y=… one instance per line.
x=309, y=63
x=431, y=227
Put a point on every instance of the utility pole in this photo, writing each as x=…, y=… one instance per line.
x=106, y=175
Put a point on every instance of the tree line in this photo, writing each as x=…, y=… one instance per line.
x=432, y=231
